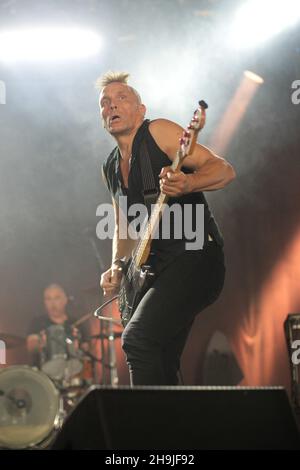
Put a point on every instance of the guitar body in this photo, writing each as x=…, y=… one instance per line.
x=133, y=288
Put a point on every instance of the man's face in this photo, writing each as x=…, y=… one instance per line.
x=55, y=301
x=120, y=109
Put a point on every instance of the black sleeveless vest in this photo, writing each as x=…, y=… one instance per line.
x=166, y=249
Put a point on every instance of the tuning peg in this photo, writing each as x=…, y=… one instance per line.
x=203, y=104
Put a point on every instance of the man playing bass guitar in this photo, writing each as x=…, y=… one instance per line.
x=186, y=277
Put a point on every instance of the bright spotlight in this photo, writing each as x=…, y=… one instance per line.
x=236, y=109
x=254, y=77
x=48, y=44
x=256, y=21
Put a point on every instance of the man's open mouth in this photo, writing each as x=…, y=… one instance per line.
x=114, y=118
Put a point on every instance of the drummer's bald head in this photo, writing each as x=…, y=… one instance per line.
x=54, y=286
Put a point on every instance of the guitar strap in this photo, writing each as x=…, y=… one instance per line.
x=150, y=190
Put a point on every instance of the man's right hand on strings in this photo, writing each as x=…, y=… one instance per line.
x=111, y=279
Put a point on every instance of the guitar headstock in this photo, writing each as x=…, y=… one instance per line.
x=189, y=136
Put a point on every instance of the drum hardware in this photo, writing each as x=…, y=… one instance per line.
x=117, y=334
x=77, y=385
x=108, y=319
x=107, y=333
x=59, y=359
x=34, y=403
x=71, y=370
x=105, y=323
x=31, y=408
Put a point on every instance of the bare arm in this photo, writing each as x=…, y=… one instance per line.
x=110, y=279
x=210, y=172
x=120, y=247
x=33, y=343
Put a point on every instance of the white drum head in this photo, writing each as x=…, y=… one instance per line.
x=55, y=368
x=29, y=407
x=73, y=367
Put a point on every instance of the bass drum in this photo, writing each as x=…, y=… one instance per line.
x=29, y=407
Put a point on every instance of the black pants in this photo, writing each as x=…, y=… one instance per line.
x=154, y=338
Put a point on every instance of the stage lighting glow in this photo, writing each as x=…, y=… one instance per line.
x=48, y=44
x=254, y=77
x=257, y=21
x=236, y=109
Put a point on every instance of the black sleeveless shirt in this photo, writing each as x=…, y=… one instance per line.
x=165, y=249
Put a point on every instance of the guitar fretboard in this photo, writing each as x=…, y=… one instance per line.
x=187, y=144
x=151, y=224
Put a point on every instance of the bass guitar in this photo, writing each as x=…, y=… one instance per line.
x=138, y=272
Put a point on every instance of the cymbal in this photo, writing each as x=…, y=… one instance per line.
x=12, y=341
x=109, y=319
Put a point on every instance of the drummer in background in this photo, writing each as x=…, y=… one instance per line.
x=55, y=301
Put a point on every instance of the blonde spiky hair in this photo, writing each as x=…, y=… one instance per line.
x=111, y=77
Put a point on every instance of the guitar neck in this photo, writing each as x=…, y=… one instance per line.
x=187, y=144
x=143, y=247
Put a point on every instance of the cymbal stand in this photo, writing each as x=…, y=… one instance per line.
x=108, y=354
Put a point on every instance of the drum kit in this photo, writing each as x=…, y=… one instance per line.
x=34, y=402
